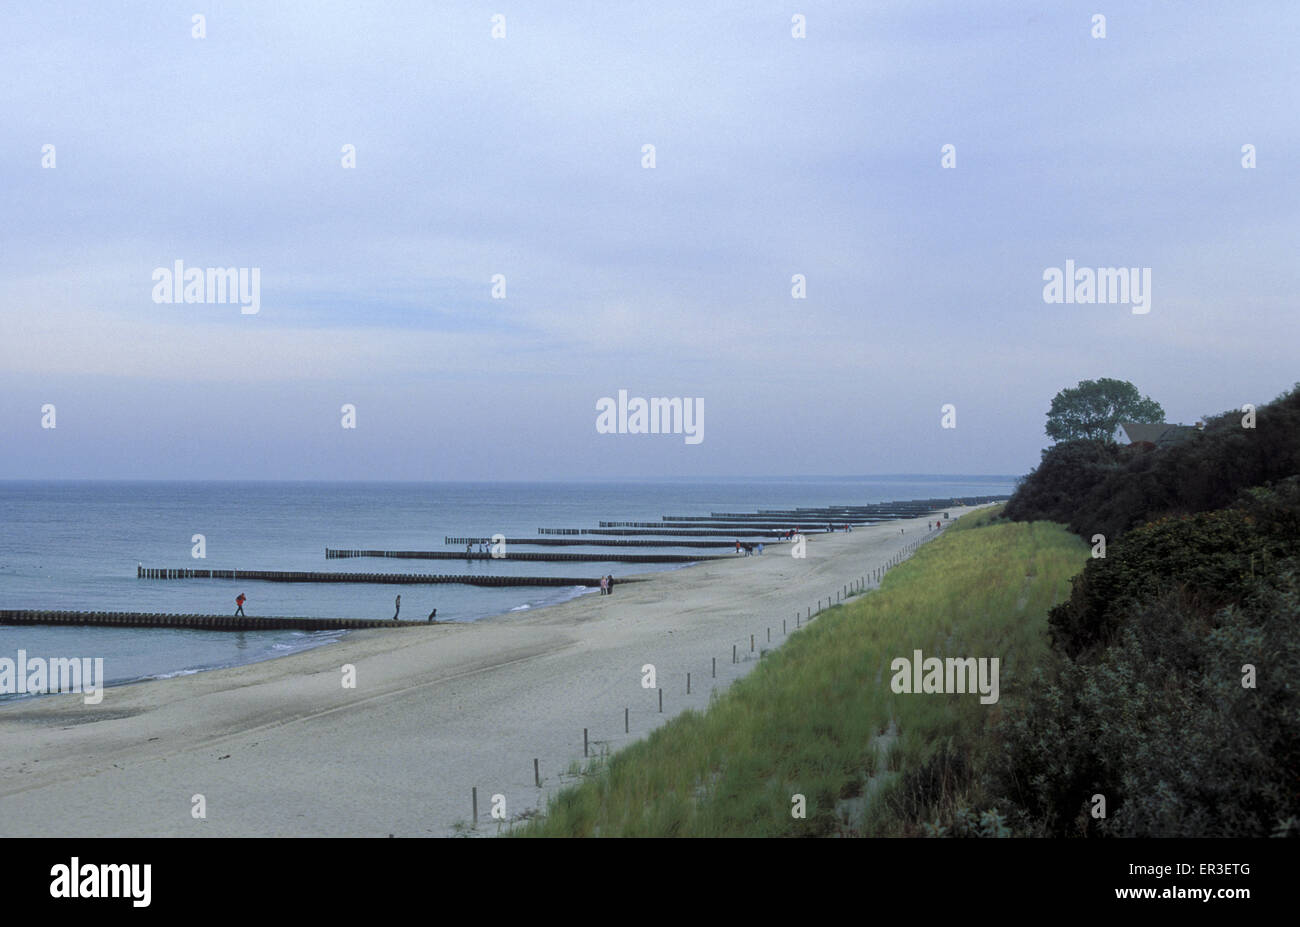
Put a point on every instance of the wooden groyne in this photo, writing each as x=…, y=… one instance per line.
x=738, y=525
x=673, y=532
x=904, y=506
x=782, y=520
x=529, y=556
x=197, y=622
x=591, y=542
x=403, y=579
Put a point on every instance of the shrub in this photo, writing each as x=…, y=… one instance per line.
x=1066, y=473
x=1161, y=724
x=1212, y=557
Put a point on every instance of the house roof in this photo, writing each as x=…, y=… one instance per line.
x=1159, y=433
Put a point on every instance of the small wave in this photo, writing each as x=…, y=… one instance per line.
x=184, y=672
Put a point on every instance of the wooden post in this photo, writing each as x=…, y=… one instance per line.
x=537, y=775
x=474, y=800
x=769, y=635
x=715, y=667
x=625, y=727
x=783, y=631
x=661, y=700
x=584, y=741
x=688, y=683
x=733, y=653
x=751, y=643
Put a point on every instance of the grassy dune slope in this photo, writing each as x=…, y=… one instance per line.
x=818, y=718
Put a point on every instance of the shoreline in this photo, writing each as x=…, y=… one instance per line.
x=284, y=749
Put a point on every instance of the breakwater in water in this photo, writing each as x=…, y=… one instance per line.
x=588, y=542
x=198, y=622
x=332, y=554
x=406, y=579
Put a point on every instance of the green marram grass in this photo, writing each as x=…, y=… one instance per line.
x=817, y=716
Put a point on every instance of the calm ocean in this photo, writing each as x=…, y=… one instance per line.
x=75, y=545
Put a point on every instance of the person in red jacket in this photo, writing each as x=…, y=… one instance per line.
x=239, y=601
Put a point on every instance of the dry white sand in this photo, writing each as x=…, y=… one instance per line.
x=280, y=748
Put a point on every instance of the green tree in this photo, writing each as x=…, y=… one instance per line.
x=1094, y=409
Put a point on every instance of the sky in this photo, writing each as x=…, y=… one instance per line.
x=523, y=156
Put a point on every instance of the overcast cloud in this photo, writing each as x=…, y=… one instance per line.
x=522, y=156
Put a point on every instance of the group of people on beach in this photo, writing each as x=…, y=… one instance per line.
x=747, y=548
x=607, y=584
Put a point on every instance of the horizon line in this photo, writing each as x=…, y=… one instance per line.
x=629, y=479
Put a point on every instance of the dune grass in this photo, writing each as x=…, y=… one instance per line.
x=818, y=718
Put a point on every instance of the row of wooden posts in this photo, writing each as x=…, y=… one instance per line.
x=200, y=622
x=533, y=556
x=842, y=593
x=674, y=532
x=558, y=541
x=296, y=576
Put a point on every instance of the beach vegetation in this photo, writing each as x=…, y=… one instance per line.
x=817, y=716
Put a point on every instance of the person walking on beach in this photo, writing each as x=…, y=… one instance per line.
x=469, y=550
x=239, y=602
x=398, y=603
x=609, y=582
x=604, y=586
x=433, y=614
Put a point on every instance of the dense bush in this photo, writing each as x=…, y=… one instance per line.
x=1161, y=724
x=1066, y=474
x=1213, y=557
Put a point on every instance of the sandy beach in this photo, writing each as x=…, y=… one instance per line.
x=280, y=748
